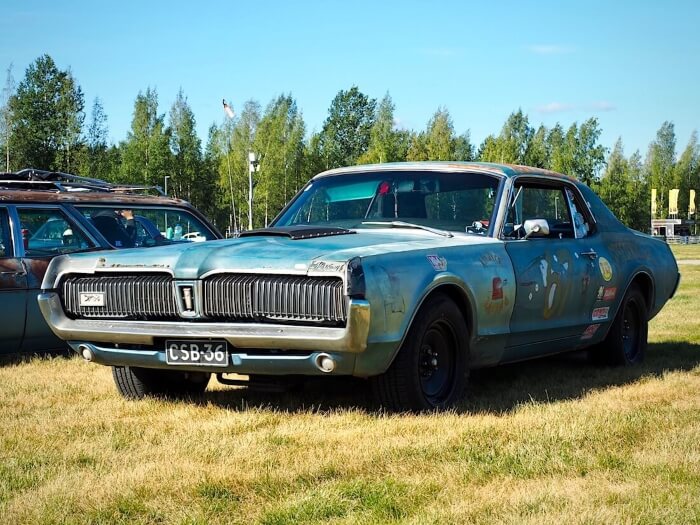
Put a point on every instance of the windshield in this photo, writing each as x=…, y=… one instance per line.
x=458, y=202
x=145, y=226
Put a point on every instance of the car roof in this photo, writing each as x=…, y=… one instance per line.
x=86, y=197
x=503, y=170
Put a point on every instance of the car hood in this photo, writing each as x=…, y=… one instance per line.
x=266, y=253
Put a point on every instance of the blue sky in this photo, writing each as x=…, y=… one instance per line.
x=632, y=64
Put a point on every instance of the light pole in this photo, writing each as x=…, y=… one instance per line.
x=253, y=164
x=166, y=213
x=232, y=226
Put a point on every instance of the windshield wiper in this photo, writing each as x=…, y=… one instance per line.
x=402, y=224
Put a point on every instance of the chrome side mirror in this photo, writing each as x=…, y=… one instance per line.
x=536, y=228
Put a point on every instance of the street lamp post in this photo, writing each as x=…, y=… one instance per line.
x=253, y=164
x=165, y=185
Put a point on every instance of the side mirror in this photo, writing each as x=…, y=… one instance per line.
x=536, y=228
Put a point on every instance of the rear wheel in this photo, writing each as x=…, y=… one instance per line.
x=430, y=370
x=626, y=342
x=136, y=383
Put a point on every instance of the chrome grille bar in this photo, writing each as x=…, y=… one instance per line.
x=146, y=297
x=279, y=297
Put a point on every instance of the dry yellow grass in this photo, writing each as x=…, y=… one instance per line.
x=551, y=441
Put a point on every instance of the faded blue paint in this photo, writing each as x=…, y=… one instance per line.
x=506, y=286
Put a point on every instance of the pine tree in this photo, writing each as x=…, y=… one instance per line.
x=346, y=131
x=186, y=148
x=146, y=156
x=47, y=114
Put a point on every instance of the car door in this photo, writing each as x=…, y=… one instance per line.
x=557, y=275
x=46, y=231
x=13, y=288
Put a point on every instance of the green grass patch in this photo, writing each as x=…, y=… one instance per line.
x=547, y=441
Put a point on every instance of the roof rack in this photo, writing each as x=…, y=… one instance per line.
x=34, y=179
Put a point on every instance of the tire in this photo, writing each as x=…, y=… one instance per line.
x=625, y=344
x=431, y=368
x=137, y=383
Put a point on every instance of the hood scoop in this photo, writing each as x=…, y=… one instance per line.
x=297, y=232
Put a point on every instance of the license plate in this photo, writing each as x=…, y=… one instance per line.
x=205, y=353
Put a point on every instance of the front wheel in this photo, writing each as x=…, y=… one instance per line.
x=136, y=383
x=626, y=342
x=430, y=370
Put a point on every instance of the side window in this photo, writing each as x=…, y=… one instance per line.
x=50, y=232
x=540, y=202
x=5, y=237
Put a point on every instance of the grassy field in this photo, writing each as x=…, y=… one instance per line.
x=686, y=251
x=551, y=441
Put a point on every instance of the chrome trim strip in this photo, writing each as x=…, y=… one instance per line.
x=351, y=338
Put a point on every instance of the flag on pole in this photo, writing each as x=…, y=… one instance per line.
x=691, y=204
x=227, y=109
x=673, y=201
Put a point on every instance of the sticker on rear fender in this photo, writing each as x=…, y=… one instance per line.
x=600, y=314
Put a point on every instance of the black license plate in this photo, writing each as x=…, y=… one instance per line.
x=193, y=352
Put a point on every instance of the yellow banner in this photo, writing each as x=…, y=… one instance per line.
x=691, y=204
x=673, y=202
x=653, y=203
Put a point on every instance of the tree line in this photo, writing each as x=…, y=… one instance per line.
x=43, y=125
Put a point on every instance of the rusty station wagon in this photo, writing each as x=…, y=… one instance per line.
x=44, y=214
x=407, y=274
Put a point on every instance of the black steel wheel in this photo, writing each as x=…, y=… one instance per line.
x=430, y=370
x=626, y=342
x=136, y=383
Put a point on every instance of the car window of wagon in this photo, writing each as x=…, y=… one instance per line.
x=128, y=227
x=5, y=240
x=49, y=231
x=459, y=202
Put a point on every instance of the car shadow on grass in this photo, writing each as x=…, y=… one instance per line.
x=17, y=358
x=497, y=390
x=568, y=376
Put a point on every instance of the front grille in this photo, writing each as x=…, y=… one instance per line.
x=225, y=297
x=145, y=297
x=277, y=297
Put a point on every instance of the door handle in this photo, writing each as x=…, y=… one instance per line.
x=590, y=254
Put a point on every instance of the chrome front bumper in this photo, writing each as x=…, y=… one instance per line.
x=240, y=362
x=352, y=338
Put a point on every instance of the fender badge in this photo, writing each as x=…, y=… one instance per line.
x=438, y=263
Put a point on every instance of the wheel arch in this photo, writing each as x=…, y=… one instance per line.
x=458, y=294
x=645, y=283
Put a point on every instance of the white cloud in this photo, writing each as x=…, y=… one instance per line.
x=561, y=107
x=601, y=105
x=550, y=49
x=554, y=107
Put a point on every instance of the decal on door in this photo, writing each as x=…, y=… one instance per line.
x=605, y=268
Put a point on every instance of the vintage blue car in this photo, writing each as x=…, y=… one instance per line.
x=407, y=274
